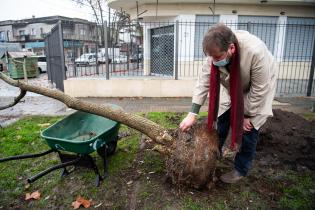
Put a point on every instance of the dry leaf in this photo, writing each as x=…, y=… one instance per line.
x=27, y=186
x=76, y=204
x=81, y=201
x=44, y=125
x=27, y=196
x=34, y=195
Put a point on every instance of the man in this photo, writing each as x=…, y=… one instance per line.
x=240, y=77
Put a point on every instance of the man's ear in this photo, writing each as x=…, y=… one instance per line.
x=232, y=47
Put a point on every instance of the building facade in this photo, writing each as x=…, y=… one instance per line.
x=287, y=28
x=30, y=33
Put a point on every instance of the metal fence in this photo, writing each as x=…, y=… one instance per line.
x=55, y=54
x=173, y=50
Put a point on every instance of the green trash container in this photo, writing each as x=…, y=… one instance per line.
x=15, y=61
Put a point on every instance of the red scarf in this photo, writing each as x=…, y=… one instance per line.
x=236, y=95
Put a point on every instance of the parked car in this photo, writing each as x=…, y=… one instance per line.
x=101, y=59
x=120, y=59
x=42, y=64
x=86, y=59
x=135, y=58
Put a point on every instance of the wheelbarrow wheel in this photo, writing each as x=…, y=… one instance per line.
x=110, y=149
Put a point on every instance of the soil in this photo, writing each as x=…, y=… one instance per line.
x=287, y=140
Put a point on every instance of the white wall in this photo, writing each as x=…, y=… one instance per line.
x=230, y=21
x=128, y=87
x=186, y=36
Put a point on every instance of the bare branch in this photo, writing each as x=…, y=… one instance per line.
x=16, y=100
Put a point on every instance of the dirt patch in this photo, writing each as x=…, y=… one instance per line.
x=287, y=140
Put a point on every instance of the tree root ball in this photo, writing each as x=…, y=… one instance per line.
x=193, y=160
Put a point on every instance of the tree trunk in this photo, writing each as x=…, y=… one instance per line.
x=155, y=131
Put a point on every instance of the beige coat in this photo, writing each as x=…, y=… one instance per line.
x=258, y=76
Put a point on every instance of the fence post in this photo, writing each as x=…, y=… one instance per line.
x=106, y=50
x=96, y=53
x=311, y=78
x=176, y=48
x=113, y=45
x=62, y=57
x=24, y=69
x=74, y=56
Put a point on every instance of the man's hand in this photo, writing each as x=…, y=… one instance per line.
x=188, y=121
x=247, y=125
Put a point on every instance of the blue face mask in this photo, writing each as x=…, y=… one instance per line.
x=222, y=62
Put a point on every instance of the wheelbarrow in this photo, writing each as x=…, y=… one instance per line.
x=74, y=138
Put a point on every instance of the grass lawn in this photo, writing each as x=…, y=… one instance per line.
x=136, y=177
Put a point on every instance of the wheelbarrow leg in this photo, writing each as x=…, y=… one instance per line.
x=98, y=176
x=64, y=172
x=62, y=165
x=105, y=162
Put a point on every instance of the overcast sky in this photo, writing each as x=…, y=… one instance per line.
x=20, y=9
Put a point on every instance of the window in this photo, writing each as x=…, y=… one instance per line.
x=2, y=36
x=21, y=32
x=82, y=32
x=42, y=59
x=299, y=39
x=203, y=23
x=261, y=26
x=33, y=32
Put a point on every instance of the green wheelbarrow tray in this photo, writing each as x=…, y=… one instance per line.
x=81, y=133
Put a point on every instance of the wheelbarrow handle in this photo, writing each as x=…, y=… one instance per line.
x=19, y=157
x=48, y=170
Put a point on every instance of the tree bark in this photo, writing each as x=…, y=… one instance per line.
x=153, y=130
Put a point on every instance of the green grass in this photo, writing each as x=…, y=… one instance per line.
x=167, y=119
x=23, y=137
x=309, y=115
x=299, y=192
x=127, y=148
x=190, y=204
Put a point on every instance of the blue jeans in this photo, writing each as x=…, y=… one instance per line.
x=244, y=158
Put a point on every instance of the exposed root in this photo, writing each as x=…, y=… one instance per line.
x=162, y=150
x=193, y=160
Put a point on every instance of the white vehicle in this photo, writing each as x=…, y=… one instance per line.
x=101, y=58
x=120, y=59
x=86, y=59
x=41, y=63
